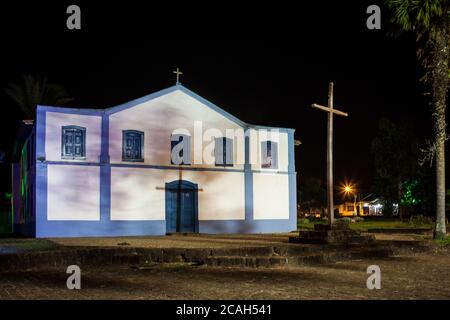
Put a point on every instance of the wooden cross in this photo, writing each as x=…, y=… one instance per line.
x=330, y=111
x=178, y=72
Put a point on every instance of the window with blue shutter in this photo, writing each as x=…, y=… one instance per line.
x=132, y=145
x=269, y=155
x=73, y=143
x=223, y=152
x=180, y=149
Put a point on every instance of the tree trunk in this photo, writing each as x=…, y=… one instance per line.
x=440, y=82
x=399, y=196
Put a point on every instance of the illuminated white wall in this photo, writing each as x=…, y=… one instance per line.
x=223, y=195
x=158, y=118
x=270, y=196
x=134, y=195
x=73, y=192
x=53, y=127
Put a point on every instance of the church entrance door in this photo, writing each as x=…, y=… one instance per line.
x=181, y=206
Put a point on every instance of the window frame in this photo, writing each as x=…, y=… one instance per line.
x=273, y=148
x=227, y=145
x=83, y=143
x=141, y=134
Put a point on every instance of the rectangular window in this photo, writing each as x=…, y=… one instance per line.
x=132, y=145
x=269, y=155
x=223, y=152
x=73, y=143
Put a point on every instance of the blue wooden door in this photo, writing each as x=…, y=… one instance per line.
x=181, y=207
x=171, y=211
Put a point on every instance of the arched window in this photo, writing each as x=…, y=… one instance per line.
x=223, y=152
x=269, y=155
x=180, y=149
x=132, y=145
x=73, y=143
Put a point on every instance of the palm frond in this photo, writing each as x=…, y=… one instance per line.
x=419, y=16
x=36, y=90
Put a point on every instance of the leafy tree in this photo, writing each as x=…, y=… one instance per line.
x=312, y=194
x=417, y=193
x=430, y=21
x=395, y=152
x=36, y=90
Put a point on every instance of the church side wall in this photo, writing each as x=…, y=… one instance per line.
x=274, y=190
x=67, y=191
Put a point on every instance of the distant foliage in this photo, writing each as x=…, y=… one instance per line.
x=36, y=90
x=398, y=176
x=312, y=194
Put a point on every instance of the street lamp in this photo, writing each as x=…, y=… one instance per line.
x=350, y=189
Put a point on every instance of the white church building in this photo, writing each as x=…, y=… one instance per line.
x=167, y=162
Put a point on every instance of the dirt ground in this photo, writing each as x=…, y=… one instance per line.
x=423, y=276
x=179, y=241
x=200, y=240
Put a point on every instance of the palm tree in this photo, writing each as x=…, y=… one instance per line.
x=430, y=21
x=36, y=90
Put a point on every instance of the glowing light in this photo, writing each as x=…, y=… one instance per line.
x=348, y=188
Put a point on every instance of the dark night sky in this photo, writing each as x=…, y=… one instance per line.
x=265, y=64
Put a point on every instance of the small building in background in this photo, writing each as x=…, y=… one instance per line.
x=359, y=209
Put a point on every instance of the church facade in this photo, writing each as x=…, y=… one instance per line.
x=168, y=162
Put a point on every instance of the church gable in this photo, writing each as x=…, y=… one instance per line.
x=180, y=102
x=158, y=117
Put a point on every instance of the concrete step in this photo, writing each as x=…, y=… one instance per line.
x=402, y=230
x=351, y=240
x=245, y=257
x=329, y=233
x=308, y=240
x=305, y=259
x=238, y=261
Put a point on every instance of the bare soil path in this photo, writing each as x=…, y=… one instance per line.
x=420, y=276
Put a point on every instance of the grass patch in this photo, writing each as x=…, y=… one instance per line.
x=370, y=224
x=28, y=244
x=445, y=242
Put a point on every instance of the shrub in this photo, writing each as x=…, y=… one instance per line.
x=444, y=241
x=344, y=219
x=420, y=220
x=359, y=219
x=303, y=221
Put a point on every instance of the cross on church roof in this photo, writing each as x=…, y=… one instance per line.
x=178, y=72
